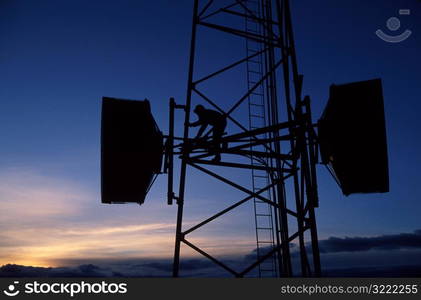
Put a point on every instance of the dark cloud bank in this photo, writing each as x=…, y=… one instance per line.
x=348, y=249
x=383, y=242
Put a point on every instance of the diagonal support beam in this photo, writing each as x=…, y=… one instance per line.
x=234, y=165
x=228, y=209
x=219, y=263
x=205, y=8
x=221, y=9
x=255, y=195
x=233, y=184
x=255, y=86
x=252, y=36
x=233, y=65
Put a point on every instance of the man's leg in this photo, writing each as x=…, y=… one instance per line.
x=218, y=131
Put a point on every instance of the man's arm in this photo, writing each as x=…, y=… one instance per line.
x=194, y=124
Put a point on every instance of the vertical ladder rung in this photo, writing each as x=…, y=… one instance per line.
x=257, y=116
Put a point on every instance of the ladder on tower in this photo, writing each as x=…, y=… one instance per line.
x=263, y=211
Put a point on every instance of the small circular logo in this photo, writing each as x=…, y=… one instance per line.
x=11, y=290
x=393, y=24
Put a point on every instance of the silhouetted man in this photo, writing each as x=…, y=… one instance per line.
x=216, y=120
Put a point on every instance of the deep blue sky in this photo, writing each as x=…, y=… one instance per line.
x=58, y=58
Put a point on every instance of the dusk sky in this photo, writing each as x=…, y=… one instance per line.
x=57, y=60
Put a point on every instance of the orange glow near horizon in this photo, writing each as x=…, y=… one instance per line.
x=108, y=244
x=47, y=222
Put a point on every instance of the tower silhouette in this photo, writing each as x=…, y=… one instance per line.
x=279, y=140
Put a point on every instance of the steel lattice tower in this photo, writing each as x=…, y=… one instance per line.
x=282, y=149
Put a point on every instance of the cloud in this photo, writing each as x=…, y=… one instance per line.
x=151, y=228
x=192, y=268
x=48, y=219
x=383, y=242
x=144, y=267
x=394, y=255
x=252, y=256
x=32, y=199
x=79, y=271
x=354, y=254
x=125, y=268
x=27, y=194
x=72, y=240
